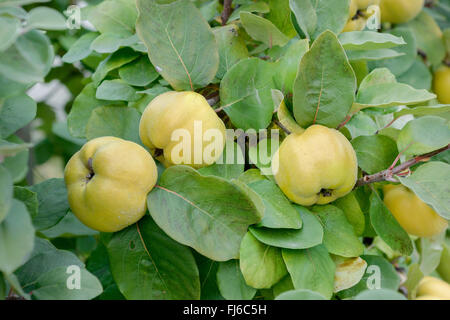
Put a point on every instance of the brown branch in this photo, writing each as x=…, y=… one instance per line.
x=286, y=130
x=343, y=123
x=226, y=11
x=388, y=174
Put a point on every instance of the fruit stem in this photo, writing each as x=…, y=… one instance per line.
x=90, y=167
x=388, y=174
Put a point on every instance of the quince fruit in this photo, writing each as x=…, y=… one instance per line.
x=431, y=288
x=441, y=84
x=400, y=11
x=359, y=14
x=414, y=215
x=186, y=116
x=315, y=167
x=107, y=181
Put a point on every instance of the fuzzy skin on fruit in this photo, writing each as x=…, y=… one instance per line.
x=400, y=11
x=431, y=286
x=108, y=181
x=179, y=110
x=441, y=84
x=414, y=215
x=315, y=167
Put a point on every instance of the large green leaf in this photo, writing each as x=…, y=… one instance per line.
x=81, y=48
x=231, y=45
x=17, y=165
x=121, y=122
x=263, y=30
x=116, y=89
x=375, y=153
x=117, y=16
x=16, y=237
x=338, y=234
x=350, y=206
x=246, y=93
x=279, y=212
x=369, y=40
x=430, y=183
x=53, y=203
x=311, y=269
x=230, y=165
x=231, y=282
x=316, y=16
x=15, y=113
x=261, y=265
x=6, y=192
x=148, y=265
x=55, y=269
x=139, y=72
x=280, y=15
x=207, y=213
x=29, y=59
x=325, y=77
x=180, y=42
x=310, y=235
x=46, y=18
x=10, y=30
x=423, y=135
x=387, y=227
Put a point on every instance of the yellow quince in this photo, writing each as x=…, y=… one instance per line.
x=315, y=167
x=107, y=181
x=185, y=127
x=431, y=288
x=414, y=215
x=441, y=84
x=400, y=11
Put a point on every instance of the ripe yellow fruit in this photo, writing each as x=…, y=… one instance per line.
x=355, y=25
x=431, y=286
x=185, y=127
x=428, y=297
x=359, y=14
x=108, y=181
x=441, y=84
x=414, y=215
x=400, y=11
x=364, y=4
x=315, y=167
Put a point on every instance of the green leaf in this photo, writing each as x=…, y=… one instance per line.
x=28, y=198
x=114, y=61
x=315, y=17
x=81, y=48
x=55, y=269
x=401, y=64
x=350, y=206
x=230, y=165
x=140, y=72
x=310, y=235
x=68, y=226
x=280, y=15
x=279, y=212
x=180, y=43
x=372, y=55
x=116, y=89
x=10, y=149
x=15, y=113
x=261, y=265
x=361, y=124
x=115, y=16
x=209, y=213
x=208, y=278
x=324, y=77
x=231, y=46
x=380, y=294
x=262, y=153
x=431, y=249
x=430, y=183
x=148, y=265
x=387, y=227
x=246, y=95
x=45, y=18
x=369, y=40
x=121, y=122
x=231, y=282
x=81, y=111
x=262, y=30
x=110, y=42
x=53, y=203
x=338, y=234
x=29, y=59
x=423, y=135
x=259, y=7
x=300, y=294
x=288, y=64
x=417, y=76
x=16, y=237
x=375, y=153
x=17, y=165
x=6, y=192
x=379, y=274
x=311, y=269
x=10, y=30
x=428, y=36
